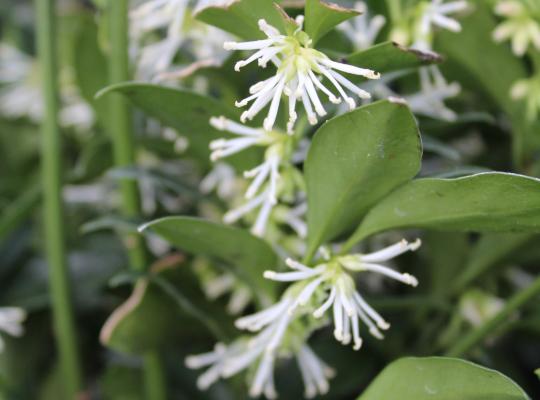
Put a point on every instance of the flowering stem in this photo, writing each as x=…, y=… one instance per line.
x=476, y=336
x=124, y=154
x=53, y=220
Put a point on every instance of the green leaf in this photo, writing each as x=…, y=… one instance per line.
x=241, y=17
x=91, y=67
x=489, y=202
x=490, y=251
x=322, y=17
x=248, y=255
x=354, y=160
x=439, y=378
x=187, y=112
x=389, y=56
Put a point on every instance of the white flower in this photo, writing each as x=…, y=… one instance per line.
x=11, y=319
x=263, y=191
x=219, y=285
x=175, y=16
x=435, y=13
x=294, y=217
x=520, y=26
x=429, y=101
x=528, y=90
x=299, y=67
x=226, y=361
x=338, y=289
x=315, y=373
x=363, y=30
x=222, y=179
x=153, y=15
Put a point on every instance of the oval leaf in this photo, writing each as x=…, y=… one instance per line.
x=241, y=17
x=248, y=255
x=354, y=160
x=390, y=56
x=441, y=379
x=485, y=202
x=322, y=17
x=187, y=112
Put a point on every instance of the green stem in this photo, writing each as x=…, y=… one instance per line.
x=124, y=155
x=476, y=336
x=64, y=325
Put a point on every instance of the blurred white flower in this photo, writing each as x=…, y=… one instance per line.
x=362, y=30
x=478, y=307
x=529, y=91
x=299, y=68
x=176, y=17
x=20, y=96
x=519, y=26
x=435, y=14
x=221, y=179
x=329, y=285
x=11, y=319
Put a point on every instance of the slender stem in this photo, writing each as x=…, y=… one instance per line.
x=53, y=219
x=121, y=125
x=476, y=336
x=124, y=155
x=154, y=378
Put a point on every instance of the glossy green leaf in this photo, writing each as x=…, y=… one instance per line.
x=248, y=255
x=389, y=56
x=354, y=160
x=485, y=202
x=439, y=378
x=187, y=112
x=322, y=17
x=241, y=17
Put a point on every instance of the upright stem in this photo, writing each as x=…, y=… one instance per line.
x=476, y=336
x=121, y=125
x=124, y=154
x=53, y=219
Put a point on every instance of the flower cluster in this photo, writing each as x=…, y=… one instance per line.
x=299, y=67
x=313, y=291
x=521, y=26
x=317, y=295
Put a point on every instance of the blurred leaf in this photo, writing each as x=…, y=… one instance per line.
x=249, y=255
x=164, y=307
x=91, y=67
x=441, y=379
x=442, y=149
x=481, y=61
x=354, y=160
x=389, y=56
x=19, y=210
x=158, y=178
x=111, y=222
x=489, y=202
x=187, y=112
x=322, y=17
x=241, y=17
x=490, y=251
x=122, y=383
